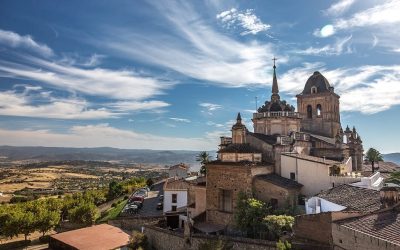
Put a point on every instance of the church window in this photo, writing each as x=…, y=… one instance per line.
x=319, y=110
x=174, y=198
x=313, y=90
x=309, y=111
x=225, y=200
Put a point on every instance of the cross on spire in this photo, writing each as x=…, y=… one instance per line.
x=274, y=59
x=275, y=89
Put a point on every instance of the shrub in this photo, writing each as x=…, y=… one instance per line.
x=114, y=204
x=138, y=241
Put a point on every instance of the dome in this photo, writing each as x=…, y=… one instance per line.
x=318, y=81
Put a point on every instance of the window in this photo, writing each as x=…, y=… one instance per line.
x=292, y=176
x=309, y=111
x=313, y=90
x=173, y=208
x=174, y=198
x=225, y=201
x=319, y=110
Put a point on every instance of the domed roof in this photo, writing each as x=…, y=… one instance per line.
x=319, y=81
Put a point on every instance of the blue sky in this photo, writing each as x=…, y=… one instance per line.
x=174, y=74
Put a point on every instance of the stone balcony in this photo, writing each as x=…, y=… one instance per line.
x=277, y=114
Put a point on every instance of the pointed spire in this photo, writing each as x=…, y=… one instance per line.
x=275, y=89
x=239, y=118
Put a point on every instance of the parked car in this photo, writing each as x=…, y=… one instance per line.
x=161, y=197
x=160, y=205
x=137, y=198
x=138, y=203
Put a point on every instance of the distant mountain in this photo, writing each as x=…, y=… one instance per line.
x=162, y=157
x=393, y=157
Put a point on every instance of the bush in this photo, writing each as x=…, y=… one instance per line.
x=283, y=245
x=114, y=204
x=138, y=241
x=276, y=224
x=126, y=197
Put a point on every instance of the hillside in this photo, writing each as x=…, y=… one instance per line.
x=162, y=157
x=393, y=157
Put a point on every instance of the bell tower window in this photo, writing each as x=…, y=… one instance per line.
x=319, y=110
x=313, y=90
x=309, y=111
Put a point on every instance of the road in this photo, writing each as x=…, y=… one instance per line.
x=150, y=202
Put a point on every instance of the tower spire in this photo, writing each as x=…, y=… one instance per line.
x=275, y=89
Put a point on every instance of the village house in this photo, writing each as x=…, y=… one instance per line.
x=179, y=170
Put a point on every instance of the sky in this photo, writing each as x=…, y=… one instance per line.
x=174, y=74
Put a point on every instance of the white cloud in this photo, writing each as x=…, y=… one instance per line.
x=339, y=8
x=179, y=119
x=336, y=49
x=326, y=31
x=102, y=135
x=209, y=108
x=117, y=84
x=152, y=105
x=194, y=49
x=245, y=19
x=20, y=104
x=15, y=40
x=367, y=89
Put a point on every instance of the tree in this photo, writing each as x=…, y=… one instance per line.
x=47, y=220
x=283, y=245
x=138, y=241
x=394, y=178
x=249, y=215
x=373, y=156
x=27, y=223
x=114, y=190
x=203, y=157
x=86, y=213
x=276, y=224
x=149, y=182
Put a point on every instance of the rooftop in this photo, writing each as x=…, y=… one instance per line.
x=239, y=148
x=270, y=139
x=97, y=237
x=324, y=138
x=385, y=225
x=312, y=158
x=180, y=165
x=176, y=184
x=384, y=167
x=353, y=198
x=279, y=181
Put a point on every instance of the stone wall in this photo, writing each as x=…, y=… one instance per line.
x=225, y=177
x=266, y=191
x=135, y=223
x=316, y=227
x=162, y=239
x=346, y=238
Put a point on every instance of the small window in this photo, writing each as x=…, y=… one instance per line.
x=173, y=208
x=292, y=176
x=319, y=110
x=309, y=111
x=226, y=200
x=174, y=198
x=313, y=90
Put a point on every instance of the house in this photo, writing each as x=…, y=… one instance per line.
x=344, y=197
x=180, y=171
x=175, y=201
x=99, y=237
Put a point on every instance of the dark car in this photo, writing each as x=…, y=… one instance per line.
x=139, y=204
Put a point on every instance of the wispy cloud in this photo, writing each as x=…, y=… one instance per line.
x=117, y=84
x=102, y=135
x=367, y=89
x=14, y=40
x=125, y=106
x=194, y=48
x=247, y=20
x=336, y=49
x=179, y=119
x=209, y=108
x=339, y=7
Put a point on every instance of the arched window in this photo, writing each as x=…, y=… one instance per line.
x=313, y=90
x=309, y=111
x=319, y=110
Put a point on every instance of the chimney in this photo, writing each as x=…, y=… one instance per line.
x=390, y=196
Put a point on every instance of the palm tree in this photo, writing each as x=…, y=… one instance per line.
x=373, y=156
x=203, y=158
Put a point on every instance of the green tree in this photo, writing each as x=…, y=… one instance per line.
x=276, y=224
x=114, y=190
x=27, y=223
x=47, y=220
x=373, y=156
x=394, y=178
x=85, y=213
x=249, y=215
x=203, y=157
x=149, y=182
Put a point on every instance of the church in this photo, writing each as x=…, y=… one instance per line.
x=291, y=153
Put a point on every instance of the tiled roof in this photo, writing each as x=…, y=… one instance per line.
x=173, y=184
x=385, y=225
x=239, y=148
x=270, y=139
x=181, y=166
x=353, y=198
x=279, y=181
x=312, y=158
x=324, y=138
x=101, y=236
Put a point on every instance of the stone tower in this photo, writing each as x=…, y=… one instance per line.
x=319, y=106
x=238, y=131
